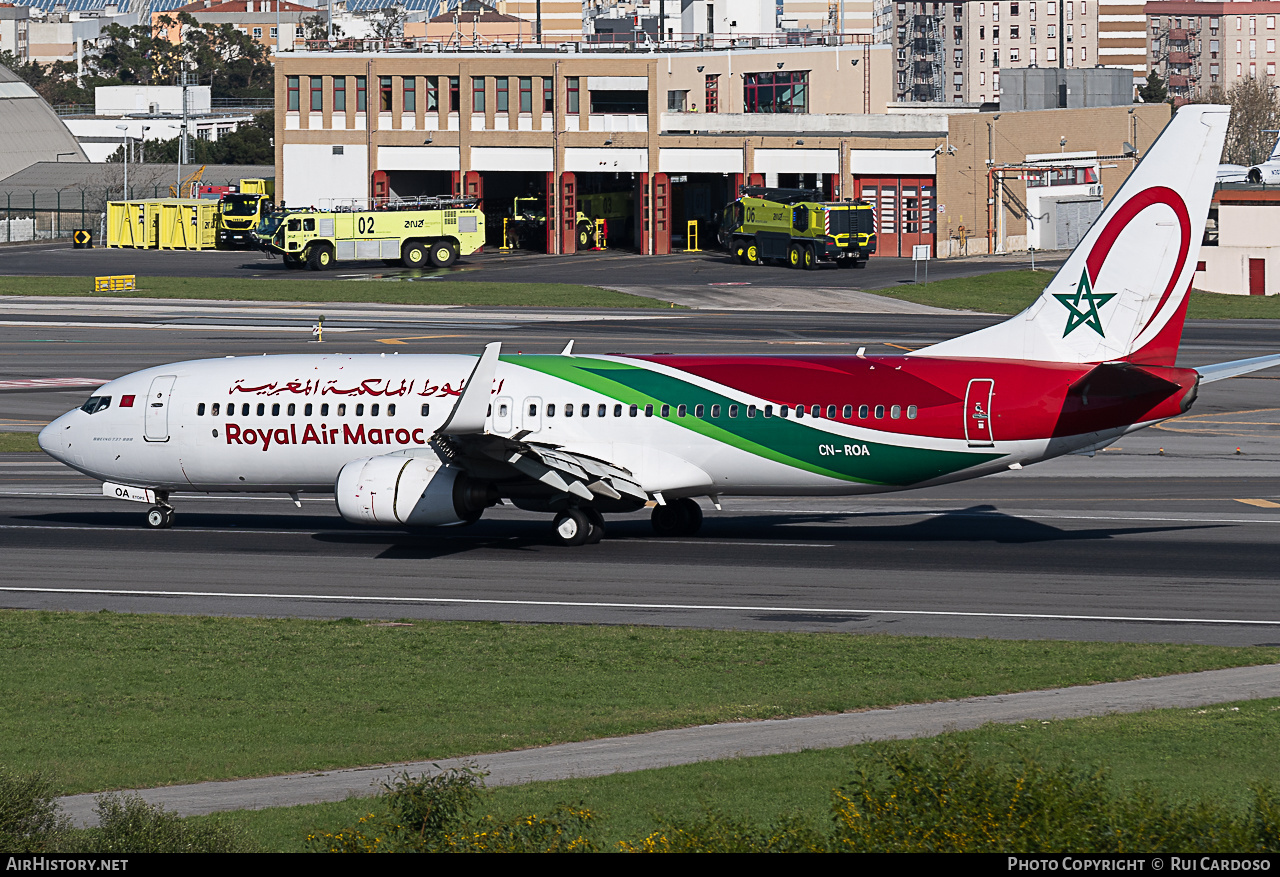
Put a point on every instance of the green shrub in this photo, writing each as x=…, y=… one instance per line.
x=29, y=818
x=433, y=814
x=128, y=824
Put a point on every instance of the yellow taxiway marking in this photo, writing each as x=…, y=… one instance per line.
x=900, y=347
x=414, y=338
x=1261, y=503
x=1208, y=423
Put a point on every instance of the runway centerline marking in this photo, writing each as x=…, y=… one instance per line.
x=683, y=607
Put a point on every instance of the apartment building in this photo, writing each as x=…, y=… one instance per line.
x=269, y=22
x=954, y=51
x=1196, y=47
x=15, y=37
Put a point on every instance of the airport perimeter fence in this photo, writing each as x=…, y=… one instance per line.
x=51, y=214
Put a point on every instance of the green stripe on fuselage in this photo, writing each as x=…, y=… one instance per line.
x=791, y=442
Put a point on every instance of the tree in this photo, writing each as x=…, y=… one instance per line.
x=1154, y=92
x=1255, y=119
x=248, y=144
x=316, y=27
x=388, y=25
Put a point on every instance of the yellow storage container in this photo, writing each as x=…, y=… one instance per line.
x=134, y=224
x=188, y=224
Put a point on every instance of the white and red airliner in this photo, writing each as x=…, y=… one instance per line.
x=433, y=440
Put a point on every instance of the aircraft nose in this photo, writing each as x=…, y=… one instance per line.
x=53, y=438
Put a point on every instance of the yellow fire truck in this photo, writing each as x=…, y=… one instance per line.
x=412, y=233
x=794, y=227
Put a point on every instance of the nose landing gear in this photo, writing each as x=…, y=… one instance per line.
x=160, y=517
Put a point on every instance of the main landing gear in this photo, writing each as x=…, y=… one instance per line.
x=585, y=526
x=579, y=526
x=679, y=517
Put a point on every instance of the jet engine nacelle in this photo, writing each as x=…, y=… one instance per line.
x=399, y=490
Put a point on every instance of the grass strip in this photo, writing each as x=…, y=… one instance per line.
x=1210, y=753
x=424, y=292
x=19, y=443
x=110, y=701
x=1009, y=292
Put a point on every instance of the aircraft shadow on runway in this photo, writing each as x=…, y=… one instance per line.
x=983, y=523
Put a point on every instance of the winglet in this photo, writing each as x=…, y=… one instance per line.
x=568, y=349
x=472, y=407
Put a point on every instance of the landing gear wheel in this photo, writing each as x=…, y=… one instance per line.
x=159, y=518
x=795, y=256
x=414, y=255
x=680, y=517
x=584, y=235
x=320, y=257
x=572, y=528
x=443, y=254
x=597, y=526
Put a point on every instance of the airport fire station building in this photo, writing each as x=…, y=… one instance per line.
x=657, y=142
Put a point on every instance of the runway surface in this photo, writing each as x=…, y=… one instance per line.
x=1129, y=545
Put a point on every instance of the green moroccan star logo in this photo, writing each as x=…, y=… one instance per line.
x=1088, y=314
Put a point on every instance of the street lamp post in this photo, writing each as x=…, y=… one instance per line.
x=125, y=129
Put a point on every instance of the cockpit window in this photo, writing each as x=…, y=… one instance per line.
x=96, y=404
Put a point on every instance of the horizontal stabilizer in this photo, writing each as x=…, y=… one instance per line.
x=1223, y=370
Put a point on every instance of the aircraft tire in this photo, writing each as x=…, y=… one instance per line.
x=680, y=517
x=597, y=526
x=159, y=518
x=572, y=528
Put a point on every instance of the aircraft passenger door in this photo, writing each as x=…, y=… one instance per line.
x=977, y=413
x=502, y=416
x=531, y=419
x=157, y=415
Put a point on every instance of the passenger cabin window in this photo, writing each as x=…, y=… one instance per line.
x=216, y=406
x=648, y=411
x=666, y=410
x=262, y=409
x=244, y=410
x=635, y=409
x=359, y=410
x=306, y=410
x=426, y=409
x=96, y=404
x=391, y=409
x=292, y=409
x=275, y=410
x=568, y=410
x=200, y=410
x=342, y=410
x=733, y=410
x=373, y=410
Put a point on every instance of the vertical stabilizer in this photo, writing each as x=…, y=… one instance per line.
x=1127, y=281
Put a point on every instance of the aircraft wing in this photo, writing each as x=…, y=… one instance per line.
x=465, y=442
x=1222, y=370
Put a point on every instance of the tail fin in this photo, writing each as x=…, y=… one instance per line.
x=1120, y=291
